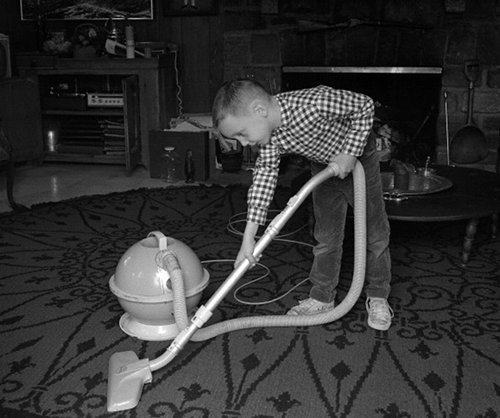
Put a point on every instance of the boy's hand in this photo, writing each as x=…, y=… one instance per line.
x=246, y=252
x=345, y=163
x=247, y=245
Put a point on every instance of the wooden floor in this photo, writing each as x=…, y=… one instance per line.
x=52, y=182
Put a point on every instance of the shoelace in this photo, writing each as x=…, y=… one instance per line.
x=307, y=303
x=379, y=308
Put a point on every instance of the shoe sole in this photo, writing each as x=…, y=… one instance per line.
x=378, y=327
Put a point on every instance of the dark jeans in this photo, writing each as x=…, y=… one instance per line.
x=331, y=200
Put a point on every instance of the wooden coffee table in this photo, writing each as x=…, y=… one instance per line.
x=475, y=194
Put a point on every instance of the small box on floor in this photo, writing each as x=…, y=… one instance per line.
x=197, y=142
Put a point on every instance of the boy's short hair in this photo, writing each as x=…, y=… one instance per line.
x=234, y=96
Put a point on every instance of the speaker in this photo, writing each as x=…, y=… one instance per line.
x=197, y=142
x=5, y=66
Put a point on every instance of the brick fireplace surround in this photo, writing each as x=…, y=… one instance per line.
x=416, y=33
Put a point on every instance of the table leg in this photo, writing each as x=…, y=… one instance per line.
x=470, y=233
x=494, y=224
x=10, y=188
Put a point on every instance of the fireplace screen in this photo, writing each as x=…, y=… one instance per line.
x=406, y=99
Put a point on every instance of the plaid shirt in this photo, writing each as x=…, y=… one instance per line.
x=316, y=123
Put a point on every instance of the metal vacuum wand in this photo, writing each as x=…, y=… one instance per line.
x=127, y=374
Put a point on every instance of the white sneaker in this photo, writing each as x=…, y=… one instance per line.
x=380, y=313
x=311, y=306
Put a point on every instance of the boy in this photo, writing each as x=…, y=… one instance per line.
x=324, y=125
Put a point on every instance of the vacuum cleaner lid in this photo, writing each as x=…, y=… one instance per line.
x=140, y=272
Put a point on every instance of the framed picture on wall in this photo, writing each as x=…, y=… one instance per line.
x=84, y=9
x=190, y=7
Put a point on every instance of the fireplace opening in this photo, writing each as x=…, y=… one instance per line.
x=406, y=98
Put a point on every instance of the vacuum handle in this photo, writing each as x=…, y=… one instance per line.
x=161, y=238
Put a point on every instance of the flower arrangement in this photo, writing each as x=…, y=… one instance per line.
x=57, y=44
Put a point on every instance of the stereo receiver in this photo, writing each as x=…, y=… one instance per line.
x=104, y=100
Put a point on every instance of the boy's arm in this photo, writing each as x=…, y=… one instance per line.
x=260, y=195
x=361, y=115
x=359, y=110
x=265, y=178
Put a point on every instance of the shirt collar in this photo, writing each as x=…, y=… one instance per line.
x=285, y=118
x=284, y=110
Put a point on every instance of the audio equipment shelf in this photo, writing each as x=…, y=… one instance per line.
x=102, y=110
x=97, y=112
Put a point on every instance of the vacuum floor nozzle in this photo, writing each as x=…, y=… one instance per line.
x=127, y=375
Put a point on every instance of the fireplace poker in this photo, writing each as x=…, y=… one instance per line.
x=445, y=94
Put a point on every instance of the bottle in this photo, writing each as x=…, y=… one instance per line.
x=129, y=42
x=170, y=165
x=111, y=30
x=189, y=166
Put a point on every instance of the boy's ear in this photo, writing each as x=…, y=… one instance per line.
x=259, y=107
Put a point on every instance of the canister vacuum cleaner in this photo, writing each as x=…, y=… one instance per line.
x=160, y=279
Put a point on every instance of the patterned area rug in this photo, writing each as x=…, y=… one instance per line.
x=59, y=320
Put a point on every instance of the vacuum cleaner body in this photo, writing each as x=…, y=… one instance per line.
x=144, y=290
x=127, y=373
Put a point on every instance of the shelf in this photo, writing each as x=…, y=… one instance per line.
x=141, y=112
x=50, y=64
x=90, y=112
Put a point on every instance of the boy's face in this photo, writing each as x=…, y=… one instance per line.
x=248, y=128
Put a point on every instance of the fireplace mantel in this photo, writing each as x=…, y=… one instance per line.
x=364, y=70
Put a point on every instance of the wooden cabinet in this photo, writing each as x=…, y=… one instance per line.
x=89, y=106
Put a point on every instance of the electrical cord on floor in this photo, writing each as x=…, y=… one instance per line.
x=178, y=94
x=231, y=227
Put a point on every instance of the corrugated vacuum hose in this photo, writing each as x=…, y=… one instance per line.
x=127, y=374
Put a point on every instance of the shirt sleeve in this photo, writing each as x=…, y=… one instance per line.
x=357, y=110
x=265, y=177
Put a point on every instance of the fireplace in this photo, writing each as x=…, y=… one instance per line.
x=407, y=101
